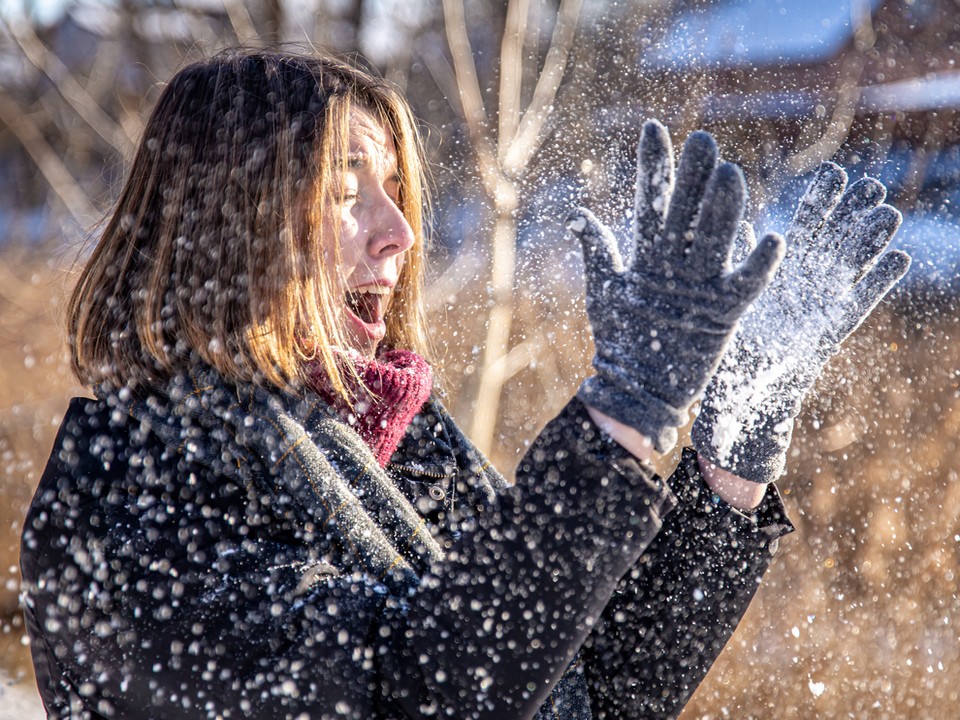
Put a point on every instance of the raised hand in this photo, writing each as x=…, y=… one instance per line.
x=834, y=274
x=662, y=318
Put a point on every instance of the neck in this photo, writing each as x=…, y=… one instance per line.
x=391, y=391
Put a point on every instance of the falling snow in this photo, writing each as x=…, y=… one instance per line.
x=208, y=550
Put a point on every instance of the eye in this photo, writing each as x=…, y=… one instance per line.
x=346, y=192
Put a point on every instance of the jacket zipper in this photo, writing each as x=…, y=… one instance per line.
x=418, y=471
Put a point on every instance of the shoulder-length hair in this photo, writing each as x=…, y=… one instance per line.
x=214, y=250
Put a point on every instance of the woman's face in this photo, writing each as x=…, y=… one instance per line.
x=374, y=234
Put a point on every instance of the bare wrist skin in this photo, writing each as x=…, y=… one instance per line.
x=732, y=489
x=637, y=444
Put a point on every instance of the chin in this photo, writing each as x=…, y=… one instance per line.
x=367, y=347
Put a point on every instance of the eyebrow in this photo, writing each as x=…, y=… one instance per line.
x=359, y=160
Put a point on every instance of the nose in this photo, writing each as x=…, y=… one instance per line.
x=392, y=233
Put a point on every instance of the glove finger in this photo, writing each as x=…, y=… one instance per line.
x=869, y=238
x=859, y=199
x=821, y=196
x=758, y=269
x=867, y=293
x=601, y=257
x=697, y=162
x=744, y=243
x=720, y=214
x=654, y=186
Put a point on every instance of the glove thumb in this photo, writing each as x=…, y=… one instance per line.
x=600, y=254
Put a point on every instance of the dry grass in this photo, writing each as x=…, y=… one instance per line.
x=35, y=384
x=862, y=599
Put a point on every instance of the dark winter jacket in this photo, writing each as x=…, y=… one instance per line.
x=158, y=588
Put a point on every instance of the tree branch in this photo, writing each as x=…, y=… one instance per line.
x=60, y=179
x=469, y=94
x=240, y=21
x=511, y=72
x=528, y=138
x=69, y=89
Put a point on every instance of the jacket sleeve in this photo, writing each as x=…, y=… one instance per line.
x=490, y=631
x=673, y=612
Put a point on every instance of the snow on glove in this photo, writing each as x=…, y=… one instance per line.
x=661, y=324
x=834, y=274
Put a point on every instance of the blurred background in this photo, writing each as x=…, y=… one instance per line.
x=530, y=107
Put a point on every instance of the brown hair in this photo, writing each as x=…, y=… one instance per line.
x=213, y=251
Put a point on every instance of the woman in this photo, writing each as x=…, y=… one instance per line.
x=266, y=512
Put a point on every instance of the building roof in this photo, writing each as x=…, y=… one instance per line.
x=738, y=33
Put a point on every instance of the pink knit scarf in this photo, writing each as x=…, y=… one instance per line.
x=397, y=384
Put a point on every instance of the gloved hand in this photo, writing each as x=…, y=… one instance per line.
x=834, y=274
x=661, y=323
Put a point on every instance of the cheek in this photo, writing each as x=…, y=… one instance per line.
x=349, y=231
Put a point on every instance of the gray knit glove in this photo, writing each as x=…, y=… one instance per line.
x=660, y=323
x=834, y=274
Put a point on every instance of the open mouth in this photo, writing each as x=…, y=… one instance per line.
x=368, y=303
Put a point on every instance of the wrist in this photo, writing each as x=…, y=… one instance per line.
x=734, y=490
x=753, y=449
x=631, y=440
x=630, y=405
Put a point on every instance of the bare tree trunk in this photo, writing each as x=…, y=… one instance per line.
x=500, y=321
x=503, y=162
